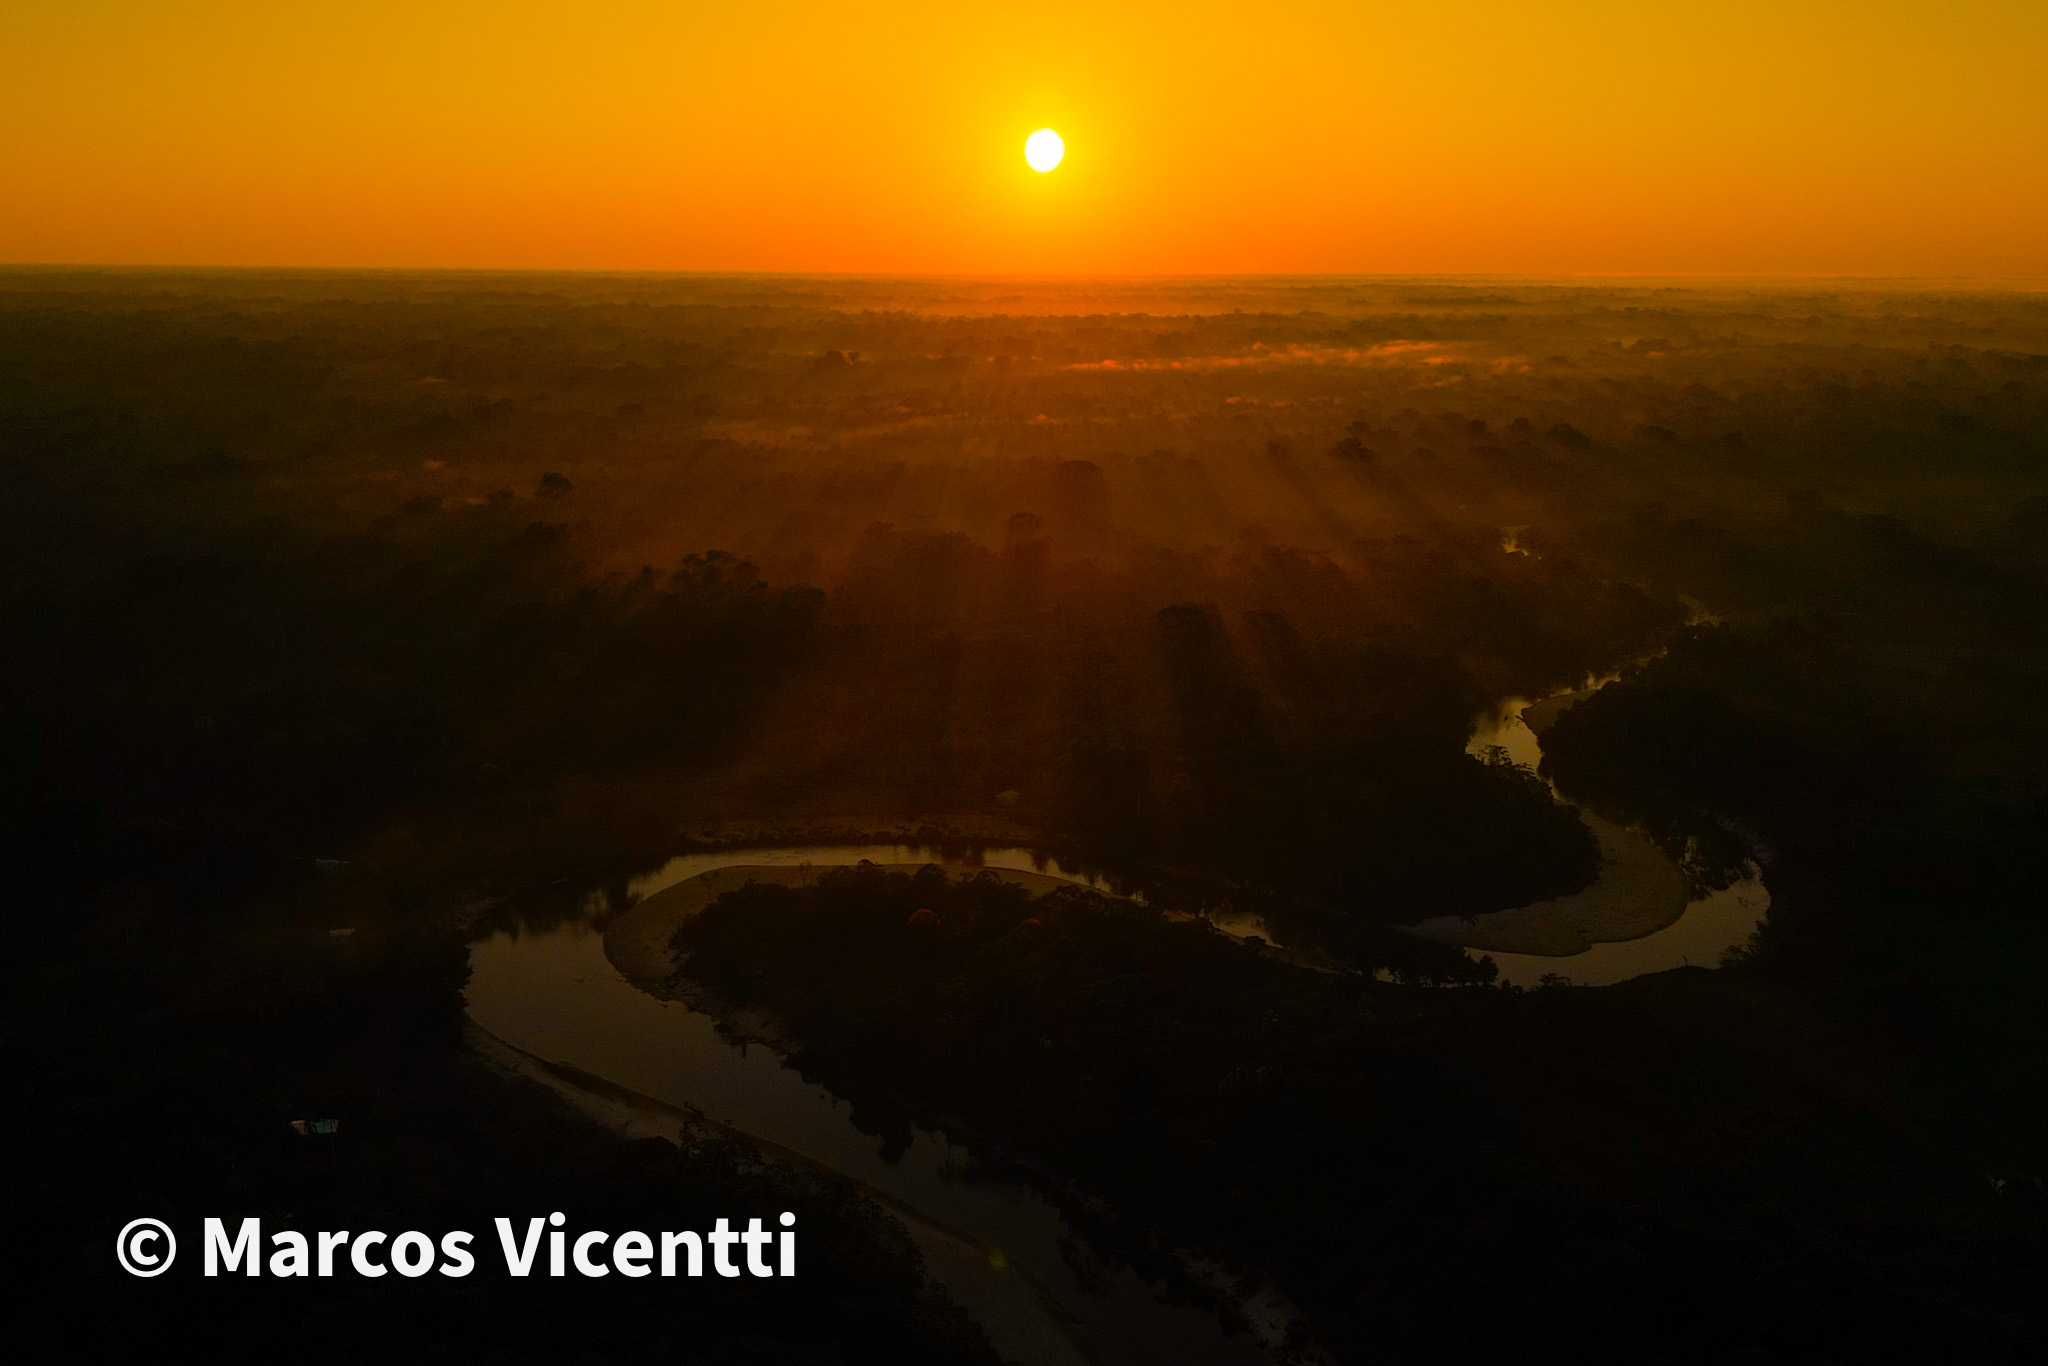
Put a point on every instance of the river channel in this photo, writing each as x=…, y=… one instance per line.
x=1002, y=1249
x=1690, y=929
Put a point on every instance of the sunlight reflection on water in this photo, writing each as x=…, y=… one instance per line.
x=1710, y=926
x=556, y=995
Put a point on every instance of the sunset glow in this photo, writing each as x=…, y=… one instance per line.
x=1335, y=681
x=1044, y=150
x=1721, y=136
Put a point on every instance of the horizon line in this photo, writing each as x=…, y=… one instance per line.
x=2039, y=279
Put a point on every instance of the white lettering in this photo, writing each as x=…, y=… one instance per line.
x=291, y=1256
x=418, y=1265
x=248, y=1243
x=722, y=1239
x=519, y=1263
x=452, y=1245
x=583, y=1262
x=359, y=1254
x=329, y=1242
x=755, y=1240
x=629, y=1250
x=670, y=1242
x=413, y=1254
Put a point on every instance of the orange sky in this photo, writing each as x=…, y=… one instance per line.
x=1744, y=136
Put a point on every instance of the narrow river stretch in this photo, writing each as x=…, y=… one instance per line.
x=1027, y=1277
x=1697, y=930
x=1001, y=1248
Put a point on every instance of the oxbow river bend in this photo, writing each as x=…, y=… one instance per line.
x=1700, y=928
x=1003, y=1249
x=1044, y=1298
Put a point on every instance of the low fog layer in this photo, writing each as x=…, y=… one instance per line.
x=416, y=606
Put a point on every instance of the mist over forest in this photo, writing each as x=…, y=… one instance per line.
x=414, y=602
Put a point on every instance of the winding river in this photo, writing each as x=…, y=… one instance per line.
x=1001, y=1248
x=1637, y=918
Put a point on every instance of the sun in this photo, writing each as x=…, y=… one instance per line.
x=1044, y=149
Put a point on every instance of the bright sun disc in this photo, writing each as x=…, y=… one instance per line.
x=1044, y=150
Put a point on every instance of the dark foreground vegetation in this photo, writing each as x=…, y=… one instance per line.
x=367, y=601
x=1430, y=1175
x=159, y=1078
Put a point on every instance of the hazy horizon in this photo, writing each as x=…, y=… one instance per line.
x=1303, y=685
x=1485, y=136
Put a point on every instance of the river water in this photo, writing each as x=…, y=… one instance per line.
x=1044, y=1298
x=555, y=994
x=1710, y=924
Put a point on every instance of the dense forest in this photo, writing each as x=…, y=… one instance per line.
x=413, y=604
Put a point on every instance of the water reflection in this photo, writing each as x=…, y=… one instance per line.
x=554, y=994
x=1231, y=921
x=831, y=855
x=1711, y=923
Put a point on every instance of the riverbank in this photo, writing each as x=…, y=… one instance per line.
x=558, y=994
x=1641, y=896
x=637, y=942
x=1022, y=1321
x=1639, y=892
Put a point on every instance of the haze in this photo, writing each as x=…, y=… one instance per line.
x=1723, y=138
x=1392, y=718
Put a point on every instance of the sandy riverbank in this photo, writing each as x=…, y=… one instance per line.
x=1639, y=891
